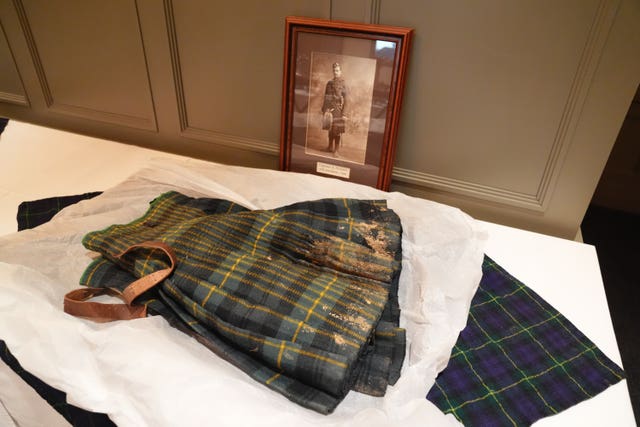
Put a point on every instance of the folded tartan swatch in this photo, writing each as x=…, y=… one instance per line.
x=518, y=359
x=302, y=298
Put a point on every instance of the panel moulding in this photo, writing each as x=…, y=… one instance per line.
x=593, y=50
x=374, y=11
x=14, y=98
x=234, y=141
x=188, y=131
x=467, y=189
x=33, y=51
x=538, y=202
x=78, y=110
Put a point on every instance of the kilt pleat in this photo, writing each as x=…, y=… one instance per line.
x=302, y=298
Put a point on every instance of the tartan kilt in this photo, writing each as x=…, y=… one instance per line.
x=338, y=125
x=302, y=298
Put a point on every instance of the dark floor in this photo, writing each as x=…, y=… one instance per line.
x=616, y=236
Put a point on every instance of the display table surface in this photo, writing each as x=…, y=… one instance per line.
x=37, y=162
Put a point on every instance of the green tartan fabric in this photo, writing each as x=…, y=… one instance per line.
x=303, y=298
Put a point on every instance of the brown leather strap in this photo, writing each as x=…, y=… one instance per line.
x=76, y=304
x=147, y=282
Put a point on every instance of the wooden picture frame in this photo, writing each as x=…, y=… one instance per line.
x=341, y=96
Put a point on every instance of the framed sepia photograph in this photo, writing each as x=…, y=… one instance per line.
x=342, y=92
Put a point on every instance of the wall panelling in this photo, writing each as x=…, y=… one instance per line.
x=510, y=109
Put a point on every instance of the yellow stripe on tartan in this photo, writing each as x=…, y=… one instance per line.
x=330, y=297
x=348, y=220
x=146, y=262
x=316, y=356
x=310, y=310
x=375, y=299
x=281, y=316
x=295, y=334
x=195, y=241
x=273, y=378
x=165, y=210
x=493, y=265
x=528, y=378
x=93, y=271
x=506, y=337
x=260, y=340
x=522, y=287
x=193, y=245
x=194, y=308
x=174, y=214
x=337, y=300
x=615, y=374
x=291, y=227
x=491, y=392
x=268, y=291
x=177, y=210
x=575, y=338
x=324, y=218
x=451, y=409
x=513, y=363
x=341, y=252
x=204, y=262
x=259, y=236
x=231, y=270
x=544, y=349
x=224, y=280
x=146, y=303
x=386, y=334
x=346, y=205
x=315, y=303
x=279, y=359
x=496, y=297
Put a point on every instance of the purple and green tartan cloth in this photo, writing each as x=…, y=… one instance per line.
x=518, y=359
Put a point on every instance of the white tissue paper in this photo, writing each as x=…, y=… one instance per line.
x=145, y=373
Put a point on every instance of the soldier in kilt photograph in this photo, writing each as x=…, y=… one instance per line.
x=334, y=107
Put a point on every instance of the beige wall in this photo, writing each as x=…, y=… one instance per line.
x=511, y=108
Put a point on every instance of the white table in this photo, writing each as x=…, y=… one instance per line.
x=563, y=272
